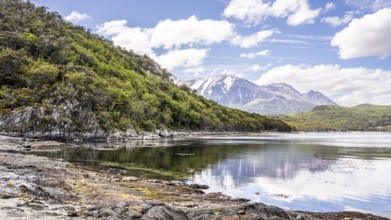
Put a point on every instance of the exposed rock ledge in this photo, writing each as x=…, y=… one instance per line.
x=58, y=123
x=34, y=187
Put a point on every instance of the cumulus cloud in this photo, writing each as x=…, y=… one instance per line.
x=76, y=16
x=365, y=85
x=262, y=53
x=367, y=36
x=254, y=12
x=252, y=40
x=337, y=21
x=172, y=36
x=249, y=11
x=297, y=11
x=112, y=27
x=169, y=33
x=183, y=58
x=136, y=39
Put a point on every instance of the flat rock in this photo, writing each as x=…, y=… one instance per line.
x=162, y=213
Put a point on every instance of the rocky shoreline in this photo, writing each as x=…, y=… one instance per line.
x=33, y=187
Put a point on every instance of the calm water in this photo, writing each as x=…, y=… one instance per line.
x=314, y=172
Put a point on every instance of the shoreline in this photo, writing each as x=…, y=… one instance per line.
x=39, y=187
x=158, y=135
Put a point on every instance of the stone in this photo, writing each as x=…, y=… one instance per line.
x=133, y=213
x=162, y=213
x=130, y=178
x=198, y=186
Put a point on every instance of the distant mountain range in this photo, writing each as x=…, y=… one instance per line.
x=277, y=98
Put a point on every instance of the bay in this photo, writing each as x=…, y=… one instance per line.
x=323, y=172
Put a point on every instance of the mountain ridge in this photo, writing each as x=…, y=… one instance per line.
x=276, y=98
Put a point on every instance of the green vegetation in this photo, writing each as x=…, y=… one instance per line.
x=337, y=118
x=143, y=171
x=63, y=78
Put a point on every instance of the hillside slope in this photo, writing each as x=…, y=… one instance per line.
x=58, y=80
x=337, y=118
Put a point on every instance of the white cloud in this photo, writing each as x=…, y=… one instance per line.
x=76, y=16
x=228, y=72
x=169, y=33
x=112, y=27
x=287, y=41
x=337, y=21
x=262, y=53
x=252, y=40
x=182, y=58
x=258, y=67
x=367, y=36
x=297, y=11
x=365, y=85
x=136, y=39
x=329, y=6
x=255, y=11
x=369, y=4
x=139, y=42
x=303, y=15
x=255, y=68
x=194, y=70
x=249, y=11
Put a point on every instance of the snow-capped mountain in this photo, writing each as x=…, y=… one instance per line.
x=318, y=98
x=277, y=98
x=228, y=90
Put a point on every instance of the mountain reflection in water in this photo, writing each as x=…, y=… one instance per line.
x=314, y=172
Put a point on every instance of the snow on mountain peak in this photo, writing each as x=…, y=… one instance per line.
x=240, y=93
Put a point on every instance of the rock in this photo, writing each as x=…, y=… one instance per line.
x=300, y=216
x=162, y=213
x=115, y=136
x=174, y=183
x=154, y=181
x=164, y=134
x=27, y=146
x=73, y=214
x=138, y=208
x=115, y=179
x=106, y=213
x=246, y=211
x=133, y=213
x=130, y=178
x=23, y=188
x=198, y=186
x=121, y=205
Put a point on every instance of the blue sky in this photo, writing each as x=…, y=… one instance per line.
x=340, y=48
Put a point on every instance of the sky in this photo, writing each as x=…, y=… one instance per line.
x=341, y=48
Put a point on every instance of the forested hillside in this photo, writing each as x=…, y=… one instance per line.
x=57, y=78
x=338, y=118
